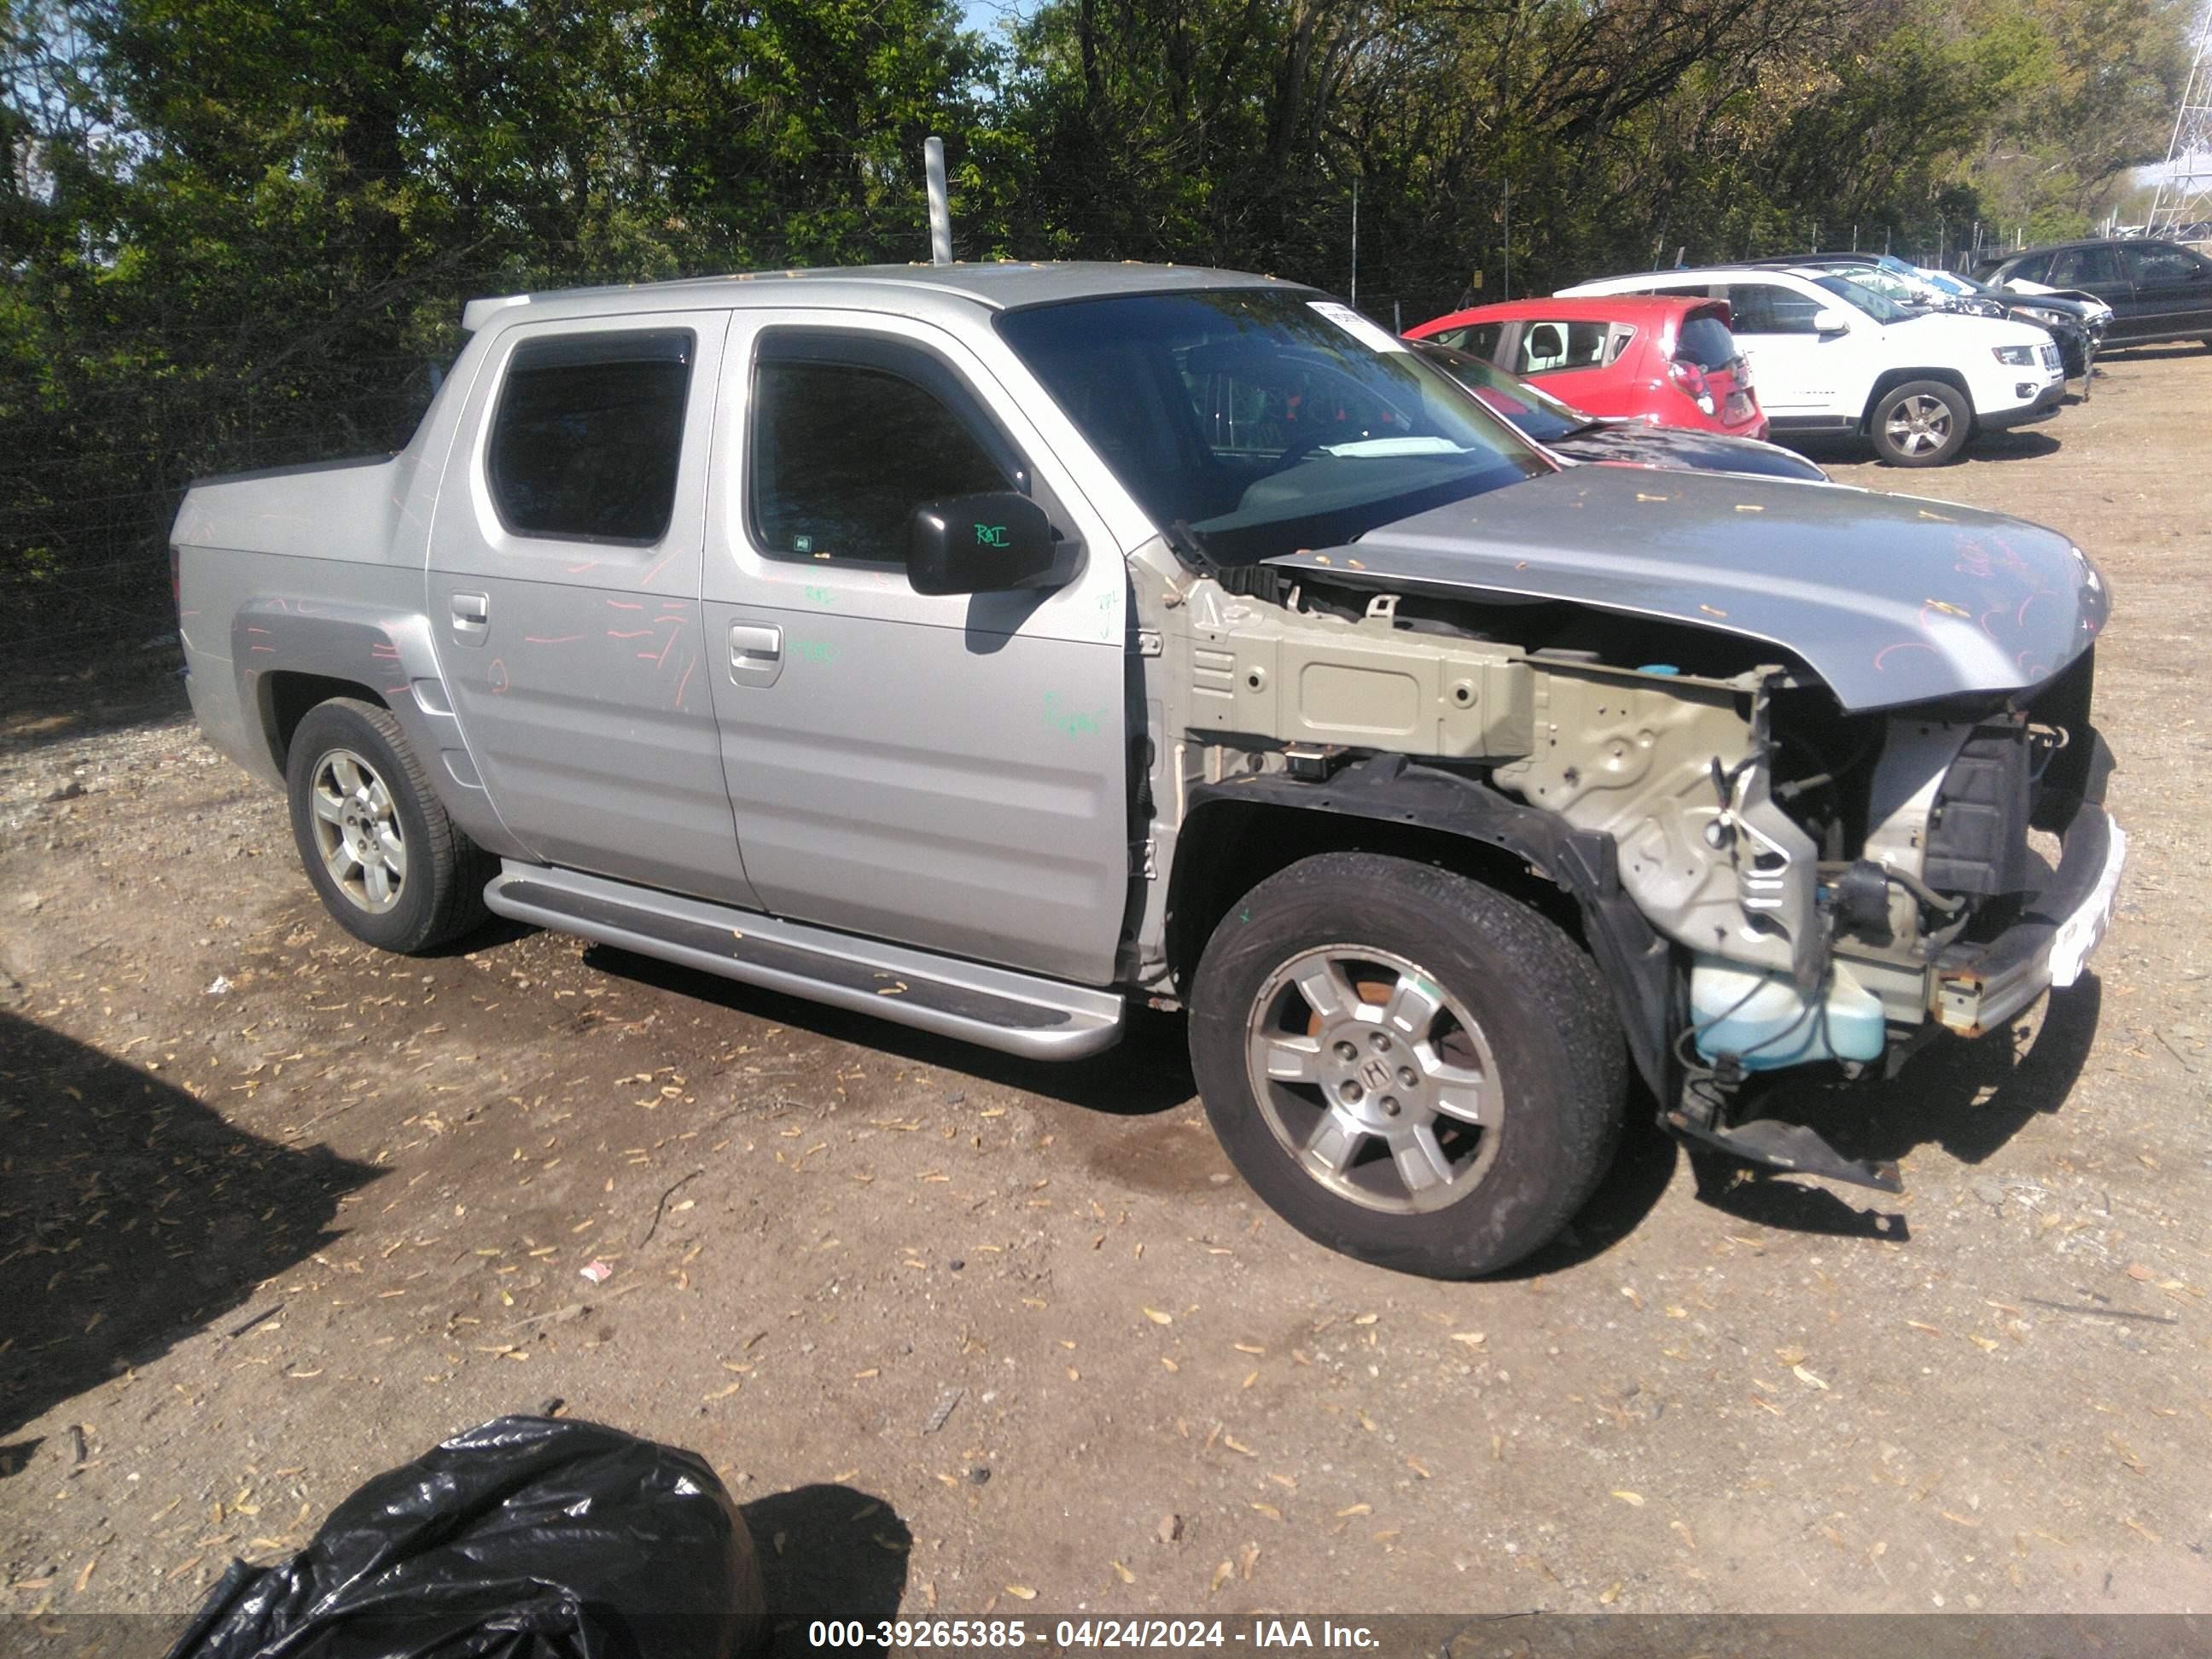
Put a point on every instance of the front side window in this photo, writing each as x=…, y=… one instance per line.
x=1752, y=307
x=844, y=451
x=2078, y=267
x=588, y=434
x=2156, y=263
x=2036, y=269
x=1477, y=339
x=1253, y=422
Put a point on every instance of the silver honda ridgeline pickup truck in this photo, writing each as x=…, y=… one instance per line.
x=984, y=647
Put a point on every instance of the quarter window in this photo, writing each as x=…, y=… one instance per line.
x=843, y=452
x=588, y=436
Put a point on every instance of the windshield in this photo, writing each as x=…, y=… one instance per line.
x=1535, y=413
x=1876, y=306
x=1881, y=282
x=1256, y=421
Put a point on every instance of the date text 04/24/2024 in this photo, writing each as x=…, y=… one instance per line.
x=985, y=1635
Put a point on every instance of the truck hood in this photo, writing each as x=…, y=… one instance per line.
x=1890, y=600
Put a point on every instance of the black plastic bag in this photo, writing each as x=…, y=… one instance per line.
x=528, y=1538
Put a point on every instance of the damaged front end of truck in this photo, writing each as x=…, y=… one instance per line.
x=1816, y=765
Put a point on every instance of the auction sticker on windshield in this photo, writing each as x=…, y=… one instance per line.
x=1367, y=333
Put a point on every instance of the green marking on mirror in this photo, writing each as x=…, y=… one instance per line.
x=991, y=535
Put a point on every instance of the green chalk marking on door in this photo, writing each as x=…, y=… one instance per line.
x=1072, y=722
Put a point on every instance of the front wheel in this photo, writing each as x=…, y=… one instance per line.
x=392, y=870
x=1921, y=424
x=1408, y=1066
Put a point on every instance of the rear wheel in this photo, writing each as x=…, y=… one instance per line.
x=373, y=836
x=1409, y=1067
x=1921, y=423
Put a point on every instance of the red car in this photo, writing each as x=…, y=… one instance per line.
x=1669, y=360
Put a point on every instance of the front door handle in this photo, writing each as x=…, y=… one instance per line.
x=755, y=653
x=471, y=617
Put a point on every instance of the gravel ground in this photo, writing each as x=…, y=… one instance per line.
x=965, y=1333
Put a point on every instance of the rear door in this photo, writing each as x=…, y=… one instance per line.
x=948, y=771
x=2173, y=290
x=563, y=591
x=1573, y=360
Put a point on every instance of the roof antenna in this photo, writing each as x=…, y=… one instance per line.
x=940, y=215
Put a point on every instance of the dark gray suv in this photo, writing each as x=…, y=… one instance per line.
x=2157, y=290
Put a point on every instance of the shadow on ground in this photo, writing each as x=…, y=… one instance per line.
x=131, y=1215
x=826, y=1552
x=2018, y=444
x=1967, y=1099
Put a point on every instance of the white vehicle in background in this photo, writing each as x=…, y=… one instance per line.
x=1833, y=357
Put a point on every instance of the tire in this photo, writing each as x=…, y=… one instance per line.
x=1517, y=1067
x=361, y=802
x=1921, y=423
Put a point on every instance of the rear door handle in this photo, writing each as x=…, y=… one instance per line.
x=755, y=653
x=471, y=617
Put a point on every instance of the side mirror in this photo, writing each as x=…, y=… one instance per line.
x=978, y=544
x=1829, y=320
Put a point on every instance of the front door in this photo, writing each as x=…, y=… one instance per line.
x=1801, y=373
x=564, y=596
x=946, y=771
x=2096, y=270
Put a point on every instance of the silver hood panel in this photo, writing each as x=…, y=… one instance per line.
x=1890, y=599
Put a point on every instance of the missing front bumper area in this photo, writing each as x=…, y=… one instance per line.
x=1980, y=986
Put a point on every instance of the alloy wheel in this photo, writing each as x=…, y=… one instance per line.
x=1377, y=1082
x=357, y=831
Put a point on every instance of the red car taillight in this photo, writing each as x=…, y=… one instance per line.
x=1690, y=380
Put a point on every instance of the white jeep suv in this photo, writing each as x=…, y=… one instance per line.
x=1832, y=357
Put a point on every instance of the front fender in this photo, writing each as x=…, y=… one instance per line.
x=1584, y=864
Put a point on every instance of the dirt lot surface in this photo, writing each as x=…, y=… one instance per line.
x=276, y=1213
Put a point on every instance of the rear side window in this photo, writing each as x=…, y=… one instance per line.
x=1549, y=348
x=2154, y=262
x=2075, y=267
x=588, y=434
x=1705, y=341
x=843, y=452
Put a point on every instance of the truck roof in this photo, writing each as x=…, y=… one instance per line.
x=996, y=285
